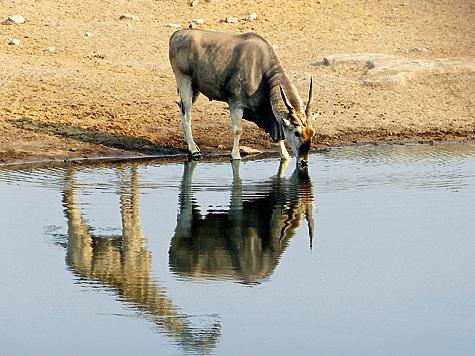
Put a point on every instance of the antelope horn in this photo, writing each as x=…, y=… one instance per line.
x=286, y=101
x=308, y=110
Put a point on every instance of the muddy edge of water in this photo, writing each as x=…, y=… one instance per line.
x=180, y=156
x=43, y=144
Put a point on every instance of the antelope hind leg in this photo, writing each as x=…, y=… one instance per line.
x=185, y=104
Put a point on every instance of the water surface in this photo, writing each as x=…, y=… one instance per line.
x=369, y=252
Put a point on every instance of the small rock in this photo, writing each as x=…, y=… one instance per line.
x=251, y=17
x=14, y=42
x=14, y=19
x=88, y=34
x=198, y=21
x=129, y=17
x=173, y=25
x=99, y=55
x=230, y=19
x=249, y=151
x=50, y=49
x=417, y=49
x=194, y=3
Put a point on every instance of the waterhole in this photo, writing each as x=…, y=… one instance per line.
x=369, y=251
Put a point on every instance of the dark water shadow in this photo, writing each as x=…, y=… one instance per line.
x=97, y=137
x=246, y=241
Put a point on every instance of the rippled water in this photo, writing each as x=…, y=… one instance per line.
x=369, y=252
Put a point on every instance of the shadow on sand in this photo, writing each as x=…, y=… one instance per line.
x=108, y=139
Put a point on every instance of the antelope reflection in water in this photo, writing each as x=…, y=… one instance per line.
x=246, y=241
x=122, y=264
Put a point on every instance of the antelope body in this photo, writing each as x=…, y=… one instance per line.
x=245, y=72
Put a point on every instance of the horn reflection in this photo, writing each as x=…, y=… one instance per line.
x=123, y=264
x=246, y=242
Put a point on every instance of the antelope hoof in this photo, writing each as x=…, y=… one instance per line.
x=195, y=156
x=235, y=157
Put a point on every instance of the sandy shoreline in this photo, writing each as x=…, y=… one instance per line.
x=384, y=72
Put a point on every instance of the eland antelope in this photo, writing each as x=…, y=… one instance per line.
x=245, y=72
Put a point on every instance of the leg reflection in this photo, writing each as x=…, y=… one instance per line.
x=123, y=264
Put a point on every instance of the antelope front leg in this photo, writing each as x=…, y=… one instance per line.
x=283, y=151
x=236, y=118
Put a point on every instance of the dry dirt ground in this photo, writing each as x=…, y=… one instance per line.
x=385, y=71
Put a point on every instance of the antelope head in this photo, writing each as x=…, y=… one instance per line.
x=298, y=128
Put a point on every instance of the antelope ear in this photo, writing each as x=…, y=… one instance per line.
x=284, y=122
x=286, y=101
